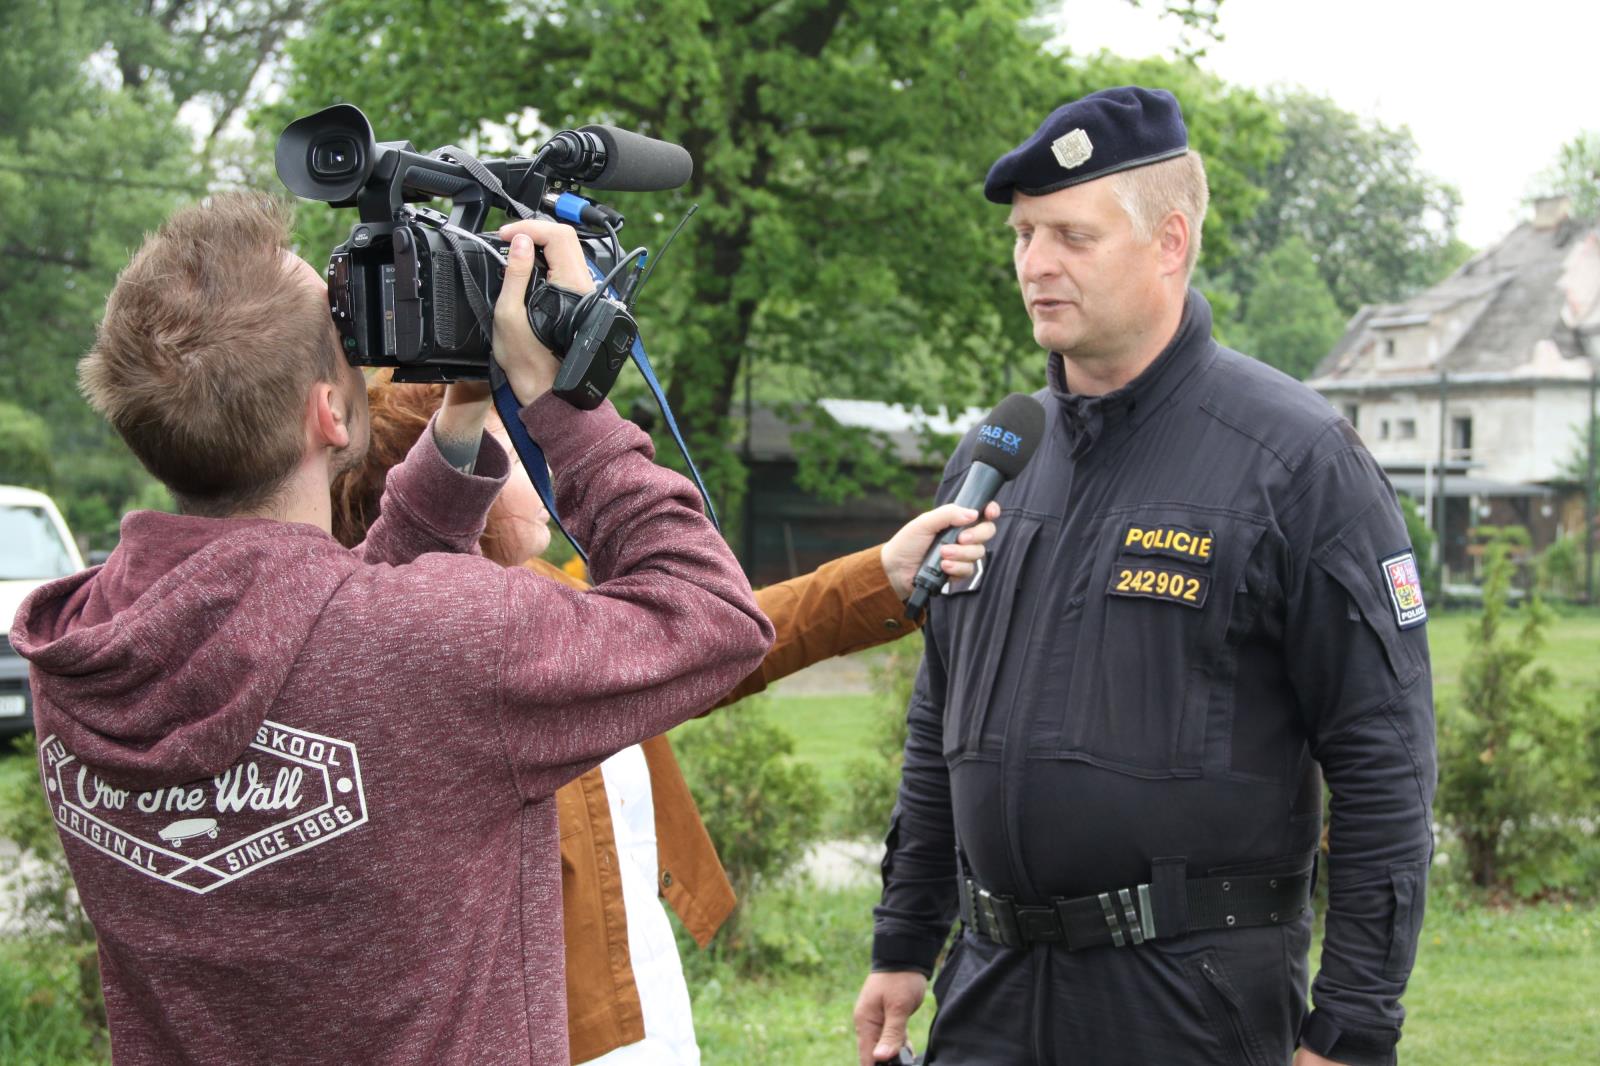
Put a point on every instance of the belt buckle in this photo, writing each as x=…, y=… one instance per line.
x=1139, y=919
x=984, y=905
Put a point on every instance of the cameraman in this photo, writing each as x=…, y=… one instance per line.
x=306, y=792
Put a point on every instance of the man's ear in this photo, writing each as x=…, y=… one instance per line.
x=329, y=416
x=1174, y=239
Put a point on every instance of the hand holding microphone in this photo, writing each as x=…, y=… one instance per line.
x=1006, y=441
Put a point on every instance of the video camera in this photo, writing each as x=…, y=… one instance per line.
x=414, y=289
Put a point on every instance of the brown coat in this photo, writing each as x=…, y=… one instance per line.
x=842, y=607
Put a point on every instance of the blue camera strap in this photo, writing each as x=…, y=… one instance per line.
x=528, y=450
x=642, y=361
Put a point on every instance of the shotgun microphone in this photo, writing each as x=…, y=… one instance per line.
x=1006, y=441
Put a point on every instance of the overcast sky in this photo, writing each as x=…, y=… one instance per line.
x=1490, y=98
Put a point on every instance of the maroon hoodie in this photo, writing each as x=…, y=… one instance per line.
x=306, y=793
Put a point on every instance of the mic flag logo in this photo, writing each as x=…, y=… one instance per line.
x=1000, y=437
x=289, y=792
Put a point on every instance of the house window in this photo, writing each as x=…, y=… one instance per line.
x=1461, y=436
x=1383, y=429
x=1388, y=346
x=1406, y=429
x=1351, y=410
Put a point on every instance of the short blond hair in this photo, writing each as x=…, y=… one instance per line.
x=1150, y=193
x=211, y=342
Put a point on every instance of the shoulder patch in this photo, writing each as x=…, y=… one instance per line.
x=1404, y=583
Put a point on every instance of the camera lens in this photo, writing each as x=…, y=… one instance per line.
x=335, y=157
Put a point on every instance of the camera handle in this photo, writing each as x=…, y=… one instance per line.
x=506, y=404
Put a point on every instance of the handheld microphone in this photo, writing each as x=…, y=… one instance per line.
x=1006, y=441
x=636, y=163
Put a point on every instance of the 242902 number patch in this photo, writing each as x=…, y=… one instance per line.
x=1157, y=583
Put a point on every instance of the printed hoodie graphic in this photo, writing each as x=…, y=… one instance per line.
x=162, y=758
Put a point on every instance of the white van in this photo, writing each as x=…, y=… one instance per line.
x=35, y=547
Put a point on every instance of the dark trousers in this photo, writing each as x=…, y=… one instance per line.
x=1226, y=998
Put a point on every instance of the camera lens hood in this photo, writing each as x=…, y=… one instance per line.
x=327, y=156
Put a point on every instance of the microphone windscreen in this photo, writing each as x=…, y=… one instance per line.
x=1010, y=435
x=636, y=163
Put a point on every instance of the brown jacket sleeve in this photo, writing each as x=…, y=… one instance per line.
x=842, y=607
x=838, y=608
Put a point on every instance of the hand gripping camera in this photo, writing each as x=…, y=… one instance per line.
x=414, y=289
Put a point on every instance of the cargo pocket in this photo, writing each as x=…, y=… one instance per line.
x=977, y=615
x=1358, y=563
x=1225, y=1008
x=1407, y=879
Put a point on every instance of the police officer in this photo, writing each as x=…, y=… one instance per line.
x=1201, y=601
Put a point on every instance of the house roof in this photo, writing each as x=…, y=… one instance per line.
x=911, y=432
x=1517, y=328
x=1455, y=486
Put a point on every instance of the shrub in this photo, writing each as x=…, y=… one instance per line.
x=54, y=934
x=1560, y=569
x=874, y=781
x=761, y=808
x=1518, y=773
x=1422, y=540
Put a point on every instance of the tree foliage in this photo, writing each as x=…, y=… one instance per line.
x=1291, y=320
x=842, y=248
x=1351, y=190
x=91, y=157
x=1575, y=173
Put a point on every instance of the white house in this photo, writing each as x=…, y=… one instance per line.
x=1481, y=387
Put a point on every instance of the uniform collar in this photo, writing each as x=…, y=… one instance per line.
x=1086, y=419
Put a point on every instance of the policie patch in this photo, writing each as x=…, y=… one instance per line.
x=1400, y=577
x=1174, y=542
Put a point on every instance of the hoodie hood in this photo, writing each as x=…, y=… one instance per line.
x=159, y=666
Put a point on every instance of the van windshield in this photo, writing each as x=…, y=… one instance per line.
x=30, y=547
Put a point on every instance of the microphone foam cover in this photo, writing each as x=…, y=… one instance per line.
x=636, y=163
x=1010, y=435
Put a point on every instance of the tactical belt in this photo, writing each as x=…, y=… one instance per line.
x=1133, y=915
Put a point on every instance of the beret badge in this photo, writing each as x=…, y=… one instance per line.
x=1072, y=149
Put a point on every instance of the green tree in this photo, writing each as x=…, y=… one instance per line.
x=1517, y=773
x=1575, y=173
x=1351, y=189
x=1291, y=320
x=842, y=247
x=25, y=457
x=92, y=156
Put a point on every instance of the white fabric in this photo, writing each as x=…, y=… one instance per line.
x=657, y=970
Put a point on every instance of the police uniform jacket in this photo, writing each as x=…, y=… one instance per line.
x=1198, y=597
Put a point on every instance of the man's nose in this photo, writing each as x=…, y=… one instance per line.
x=1038, y=260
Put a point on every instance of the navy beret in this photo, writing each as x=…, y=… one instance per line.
x=1107, y=131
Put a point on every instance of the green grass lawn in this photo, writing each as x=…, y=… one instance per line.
x=1572, y=651
x=829, y=731
x=1492, y=988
